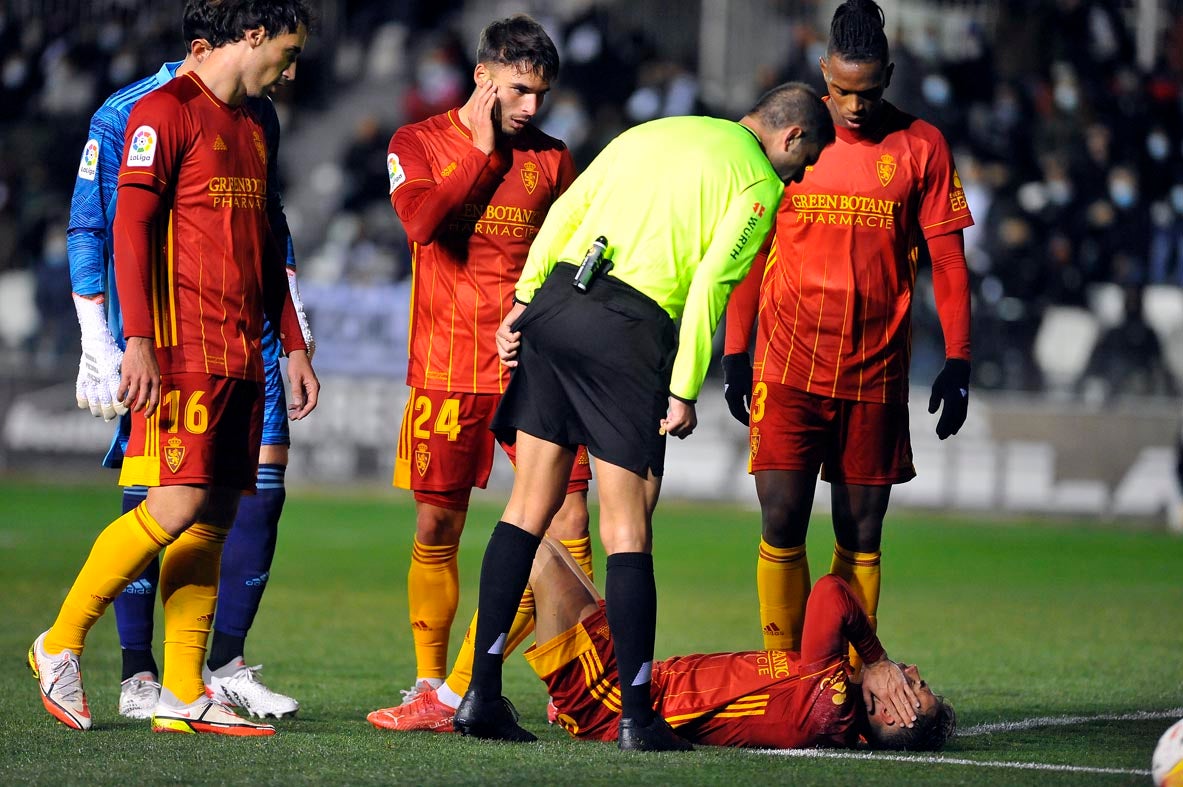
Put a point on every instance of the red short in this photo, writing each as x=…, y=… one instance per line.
x=864, y=443
x=579, y=668
x=206, y=432
x=445, y=444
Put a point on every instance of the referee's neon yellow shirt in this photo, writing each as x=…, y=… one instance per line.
x=685, y=203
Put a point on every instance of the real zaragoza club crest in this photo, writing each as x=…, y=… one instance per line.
x=530, y=176
x=422, y=459
x=174, y=454
x=885, y=168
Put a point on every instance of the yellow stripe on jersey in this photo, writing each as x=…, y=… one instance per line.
x=171, y=262
x=842, y=339
x=414, y=289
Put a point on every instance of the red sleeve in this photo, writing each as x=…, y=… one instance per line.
x=833, y=618
x=744, y=302
x=423, y=205
x=943, y=206
x=950, y=284
x=135, y=213
x=566, y=174
x=277, y=297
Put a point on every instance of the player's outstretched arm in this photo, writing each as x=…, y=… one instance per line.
x=305, y=386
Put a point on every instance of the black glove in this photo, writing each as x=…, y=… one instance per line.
x=951, y=387
x=737, y=385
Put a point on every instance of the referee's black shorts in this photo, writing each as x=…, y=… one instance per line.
x=593, y=369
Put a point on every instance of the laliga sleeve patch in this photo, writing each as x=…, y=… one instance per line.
x=395, y=171
x=141, y=152
x=88, y=167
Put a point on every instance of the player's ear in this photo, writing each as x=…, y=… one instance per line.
x=480, y=74
x=256, y=36
x=790, y=134
x=887, y=75
x=200, y=49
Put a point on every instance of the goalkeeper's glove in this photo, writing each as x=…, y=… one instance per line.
x=737, y=385
x=305, y=328
x=951, y=387
x=97, y=388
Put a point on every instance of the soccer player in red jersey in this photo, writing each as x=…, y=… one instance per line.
x=471, y=187
x=832, y=351
x=767, y=698
x=196, y=267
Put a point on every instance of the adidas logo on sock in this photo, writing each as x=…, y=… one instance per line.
x=139, y=587
x=258, y=581
x=772, y=628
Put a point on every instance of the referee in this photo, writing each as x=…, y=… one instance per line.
x=666, y=221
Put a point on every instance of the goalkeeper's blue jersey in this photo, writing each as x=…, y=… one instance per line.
x=90, y=242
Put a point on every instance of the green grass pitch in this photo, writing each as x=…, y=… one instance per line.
x=1012, y=620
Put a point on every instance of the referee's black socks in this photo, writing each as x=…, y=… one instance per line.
x=505, y=572
x=630, y=593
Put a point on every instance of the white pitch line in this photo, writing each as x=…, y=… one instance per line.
x=933, y=760
x=1065, y=721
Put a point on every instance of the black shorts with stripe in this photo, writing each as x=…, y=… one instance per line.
x=593, y=369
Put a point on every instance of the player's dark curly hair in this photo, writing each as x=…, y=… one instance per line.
x=227, y=21
x=928, y=733
x=519, y=41
x=857, y=34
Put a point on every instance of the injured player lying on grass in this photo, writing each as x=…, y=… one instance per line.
x=764, y=699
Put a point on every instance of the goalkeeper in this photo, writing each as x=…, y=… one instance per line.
x=769, y=699
x=250, y=545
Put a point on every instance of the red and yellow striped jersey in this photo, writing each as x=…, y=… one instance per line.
x=469, y=220
x=836, y=301
x=198, y=288
x=775, y=698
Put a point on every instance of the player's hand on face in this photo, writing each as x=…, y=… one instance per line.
x=484, y=127
x=888, y=693
x=680, y=419
x=139, y=380
x=304, y=383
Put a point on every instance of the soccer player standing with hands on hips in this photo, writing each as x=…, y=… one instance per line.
x=471, y=187
x=833, y=346
x=667, y=220
x=250, y=545
x=192, y=194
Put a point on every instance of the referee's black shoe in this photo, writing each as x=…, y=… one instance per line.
x=658, y=735
x=491, y=719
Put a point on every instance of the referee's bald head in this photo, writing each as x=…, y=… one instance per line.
x=795, y=104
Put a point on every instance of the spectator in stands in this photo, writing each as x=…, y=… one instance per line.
x=1128, y=358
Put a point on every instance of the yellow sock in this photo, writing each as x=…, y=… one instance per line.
x=523, y=624
x=782, y=583
x=189, y=592
x=119, y=555
x=580, y=549
x=861, y=572
x=523, y=621
x=433, y=592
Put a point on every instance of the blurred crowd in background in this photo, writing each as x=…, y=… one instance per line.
x=1071, y=154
